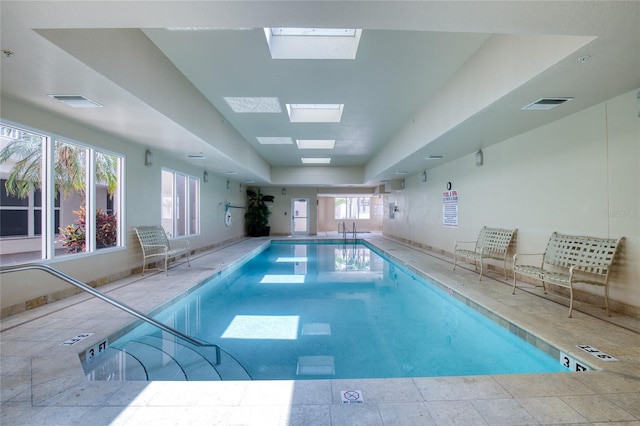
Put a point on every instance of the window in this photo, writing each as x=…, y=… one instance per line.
x=48, y=185
x=180, y=204
x=353, y=208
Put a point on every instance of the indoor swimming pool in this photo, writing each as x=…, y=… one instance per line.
x=318, y=311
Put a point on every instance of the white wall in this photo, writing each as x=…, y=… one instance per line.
x=578, y=175
x=142, y=207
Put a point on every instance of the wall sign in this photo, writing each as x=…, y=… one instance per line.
x=450, y=208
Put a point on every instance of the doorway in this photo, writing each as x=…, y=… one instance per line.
x=299, y=216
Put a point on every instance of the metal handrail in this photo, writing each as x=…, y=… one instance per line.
x=82, y=286
x=354, y=230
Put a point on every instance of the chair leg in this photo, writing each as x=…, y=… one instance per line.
x=481, y=268
x=455, y=259
x=571, y=300
x=606, y=299
x=166, y=265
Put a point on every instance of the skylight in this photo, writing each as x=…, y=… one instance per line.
x=275, y=140
x=316, y=143
x=253, y=104
x=316, y=160
x=315, y=113
x=313, y=43
x=317, y=32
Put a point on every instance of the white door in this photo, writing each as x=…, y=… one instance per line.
x=299, y=216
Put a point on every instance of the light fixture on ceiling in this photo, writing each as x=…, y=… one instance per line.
x=402, y=173
x=434, y=157
x=316, y=160
x=479, y=158
x=7, y=53
x=315, y=113
x=148, y=158
x=284, y=191
x=205, y=176
x=584, y=58
x=76, y=101
x=228, y=184
x=424, y=176
x=274, y=140
x=315, y=143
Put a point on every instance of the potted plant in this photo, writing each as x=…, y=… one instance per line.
x=257, y=216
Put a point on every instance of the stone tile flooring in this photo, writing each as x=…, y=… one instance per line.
x=42, y=383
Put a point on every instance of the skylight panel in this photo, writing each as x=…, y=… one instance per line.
x=313, y=43
x=275, y=140
x=316, y=160
x=315, y=143
x=254, y=104
x=315, y=113
x=317, y=32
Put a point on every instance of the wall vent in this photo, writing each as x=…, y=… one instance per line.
x=76, y=101
x=546, y=103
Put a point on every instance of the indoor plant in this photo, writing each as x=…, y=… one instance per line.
x=257, y=216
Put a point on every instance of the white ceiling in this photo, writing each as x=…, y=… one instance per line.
x=430, y=77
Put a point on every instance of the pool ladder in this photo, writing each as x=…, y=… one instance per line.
x=344, y=230
x=110, y=300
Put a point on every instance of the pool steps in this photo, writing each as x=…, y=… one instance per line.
x=151, y=358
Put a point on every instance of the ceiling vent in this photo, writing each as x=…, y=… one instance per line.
x=546, y=103
x=76, y=101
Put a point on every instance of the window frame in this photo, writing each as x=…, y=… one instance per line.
x=51, y=202
x=366, y=202
x=178, y=206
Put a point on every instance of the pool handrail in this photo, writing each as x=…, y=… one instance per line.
x=114, y=302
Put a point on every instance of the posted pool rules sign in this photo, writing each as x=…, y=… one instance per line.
x=450, y=208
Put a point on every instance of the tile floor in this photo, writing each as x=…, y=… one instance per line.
x=42, y=383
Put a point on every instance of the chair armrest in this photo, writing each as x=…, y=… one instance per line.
x=517, y=255
x=181, y=244
x=464, y=242
x=156, y=245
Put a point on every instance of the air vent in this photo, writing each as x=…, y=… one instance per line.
x=546, y=103
x=199, y=156
x=76, y=101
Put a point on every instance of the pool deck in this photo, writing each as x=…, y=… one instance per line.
x=42, y=383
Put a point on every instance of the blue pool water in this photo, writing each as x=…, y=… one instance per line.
x=311, y=311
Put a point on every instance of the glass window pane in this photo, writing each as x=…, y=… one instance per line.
x=194, y=200
x=181, y=205
x=10, y=199
x=107, y=184
x=14, y=222
x=167, y=202
x=21, y=177
x=70, y=178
